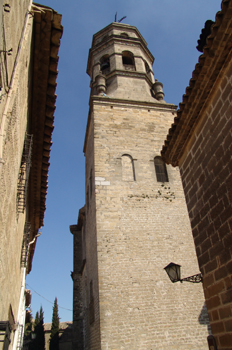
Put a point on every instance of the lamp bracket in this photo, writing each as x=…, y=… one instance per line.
x=193, y=279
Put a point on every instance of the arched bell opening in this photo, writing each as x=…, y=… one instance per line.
x=128, y=60
x=105, y=64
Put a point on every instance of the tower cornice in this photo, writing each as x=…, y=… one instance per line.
x=122, y=26
x=121, y=103
x=128, y=73
x=132, y=103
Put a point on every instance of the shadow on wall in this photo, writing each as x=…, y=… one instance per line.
x=65, y=335
x=204, y=318
x=66, y=338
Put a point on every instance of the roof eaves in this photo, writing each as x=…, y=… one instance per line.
x=199, y=87
x=47, y=32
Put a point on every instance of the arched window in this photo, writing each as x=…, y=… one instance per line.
x=124, y=35
x=161, y=170
x=147, y=68
x=148, y=71
x=128, y=173
x=128, y=60
x=105, y=64
x=105, y=37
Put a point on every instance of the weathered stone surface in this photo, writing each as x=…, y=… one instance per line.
x=20, y=93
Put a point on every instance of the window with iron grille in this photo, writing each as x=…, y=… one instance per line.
x=161, y=170
x=25, y=244
x=24, y=173
x=5, y=332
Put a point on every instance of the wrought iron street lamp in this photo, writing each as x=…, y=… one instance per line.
x=173, y=271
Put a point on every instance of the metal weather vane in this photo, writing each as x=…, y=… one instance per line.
x=115, y=18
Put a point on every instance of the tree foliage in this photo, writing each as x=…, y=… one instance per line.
x=54, y=337
x=39, y=341
x=40, y=333
x=28, y=325
x=36, y=319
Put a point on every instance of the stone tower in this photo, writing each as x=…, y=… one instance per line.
x=135, y=220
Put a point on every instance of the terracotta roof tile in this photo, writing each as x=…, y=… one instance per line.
x=215, y=52
x=47, y=34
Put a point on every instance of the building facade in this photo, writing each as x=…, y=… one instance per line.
x=29, y=43
x=135, y=219
x=65, y=335
x=199, y=142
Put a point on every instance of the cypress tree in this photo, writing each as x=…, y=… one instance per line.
x=39, y=341
x=41, y=335
x=36, y=319
x=54, y=337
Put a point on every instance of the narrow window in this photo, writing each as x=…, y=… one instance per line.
x=161, y=170
x=128, y=60
x=148, y=71
x=91, y=304
x=105, y=64
x=147, y=68
x=87, y=198
x=0, y=85
x=128, y=173
x=91, y=182
x=105, y=37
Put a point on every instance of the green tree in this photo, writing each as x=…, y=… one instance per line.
x=39, y=341
x=40, y=332
x=28, y=326
x=36, y=319
x=54, y=337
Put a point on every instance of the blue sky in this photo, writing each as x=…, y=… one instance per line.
x=171, y=29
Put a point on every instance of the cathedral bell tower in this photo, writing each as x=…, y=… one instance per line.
x=120, y=65
x=135, y=220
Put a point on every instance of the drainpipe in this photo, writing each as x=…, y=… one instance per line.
x=18, y=338
x=9, y=94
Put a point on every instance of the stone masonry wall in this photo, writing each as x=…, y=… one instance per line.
x=78, y=290
x=206, y=170
x=141, y=226
x=12, y=223
x=10, y=33
x=92, y=327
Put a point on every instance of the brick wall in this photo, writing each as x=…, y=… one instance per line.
x=12, y=23
x=206, y=169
